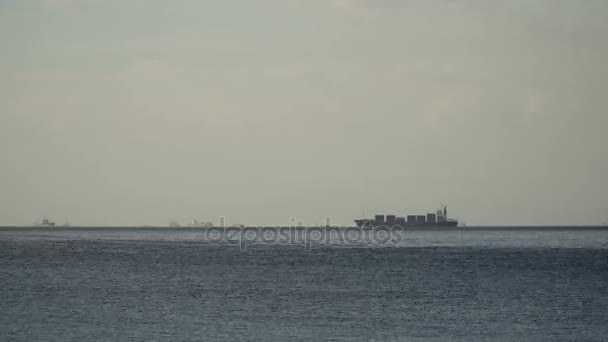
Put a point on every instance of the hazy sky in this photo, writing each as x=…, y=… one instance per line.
x=138, y=112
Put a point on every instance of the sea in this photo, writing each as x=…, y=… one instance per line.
x=194, y=284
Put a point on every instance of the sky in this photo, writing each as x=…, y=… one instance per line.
x=133, y=112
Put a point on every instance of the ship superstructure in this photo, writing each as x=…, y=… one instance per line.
x=45, y=222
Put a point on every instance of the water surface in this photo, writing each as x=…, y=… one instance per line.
x=173, y=284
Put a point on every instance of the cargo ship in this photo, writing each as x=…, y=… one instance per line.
x=436, y=219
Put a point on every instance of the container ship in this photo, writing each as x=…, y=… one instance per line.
x=437, y=219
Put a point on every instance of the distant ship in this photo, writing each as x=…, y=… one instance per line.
x=197, y=223
x=45, y=222
x=437, y=219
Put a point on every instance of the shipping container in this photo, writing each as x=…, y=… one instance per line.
x=400, y=221
x=379, y=220
x=411, y=219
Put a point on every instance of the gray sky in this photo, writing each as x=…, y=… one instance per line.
x=137, y=112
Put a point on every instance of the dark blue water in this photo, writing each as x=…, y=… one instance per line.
x=160, y=285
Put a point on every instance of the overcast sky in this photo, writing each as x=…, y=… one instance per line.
x=137, y=112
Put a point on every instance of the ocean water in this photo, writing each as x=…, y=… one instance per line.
x=181, y=285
